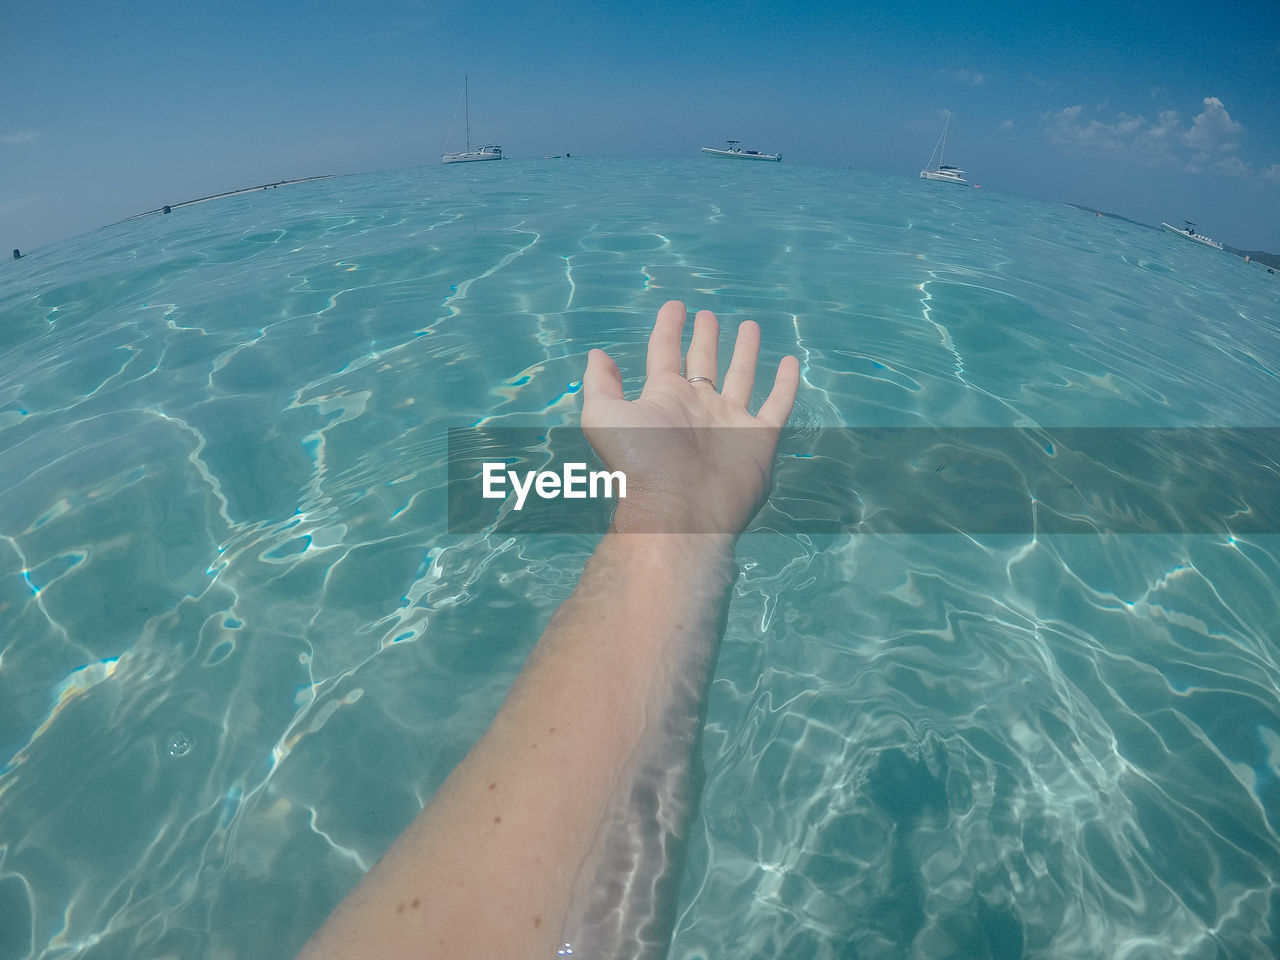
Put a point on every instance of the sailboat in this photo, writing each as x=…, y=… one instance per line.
x=488, y=152
x=943, y=172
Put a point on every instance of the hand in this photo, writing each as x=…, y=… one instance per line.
x=695, y=458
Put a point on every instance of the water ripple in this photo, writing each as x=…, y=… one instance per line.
x=229, y=601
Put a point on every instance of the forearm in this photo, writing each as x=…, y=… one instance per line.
x=565, y=821
x=608, y=699
x=620, y=904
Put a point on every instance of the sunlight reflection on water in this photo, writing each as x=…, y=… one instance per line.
x=228, y=602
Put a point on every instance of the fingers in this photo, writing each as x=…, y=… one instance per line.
x=781, y=399
x=741, y=375
x=701, y=361
x=664, y=342
x=602, y=380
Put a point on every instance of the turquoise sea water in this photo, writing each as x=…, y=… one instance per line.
x=239, y=648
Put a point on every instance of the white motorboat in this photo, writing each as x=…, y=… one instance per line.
x=1190, y=233
x=733, y=151
x=469, y=155
x=942, y=172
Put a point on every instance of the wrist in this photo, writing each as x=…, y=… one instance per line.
x=680, y=558
x=675, y=513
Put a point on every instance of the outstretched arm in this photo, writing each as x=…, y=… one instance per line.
x=561, y=823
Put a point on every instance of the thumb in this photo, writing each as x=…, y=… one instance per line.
x=602, y=381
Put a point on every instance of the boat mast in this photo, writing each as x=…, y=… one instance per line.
x=940, y=148
x=466, y=97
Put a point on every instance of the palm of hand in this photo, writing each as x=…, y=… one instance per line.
x=696, y=459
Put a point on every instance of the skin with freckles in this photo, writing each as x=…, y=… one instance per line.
x=565, y=819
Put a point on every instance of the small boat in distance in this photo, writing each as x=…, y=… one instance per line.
x=1190, y=233
x=737, y=153
x=487, y=152
x=943, y=172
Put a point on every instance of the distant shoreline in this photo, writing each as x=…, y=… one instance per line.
x=217, y=196
x=1258, y=256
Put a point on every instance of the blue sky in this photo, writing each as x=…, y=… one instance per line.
x=1157, y=111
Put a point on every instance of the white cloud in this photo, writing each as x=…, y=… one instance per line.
x=20, y=136
x=1213, y=130
x=1006, y=124
x=1155, y=142
x=1272, y=173
x=1163, y=129
x=971, y=77
x=1212, y=137
x=1068, y=128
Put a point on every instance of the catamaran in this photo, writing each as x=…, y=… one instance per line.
x=487, y=152
x=737, y=153
x=1190, y=233
x=943, y=172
